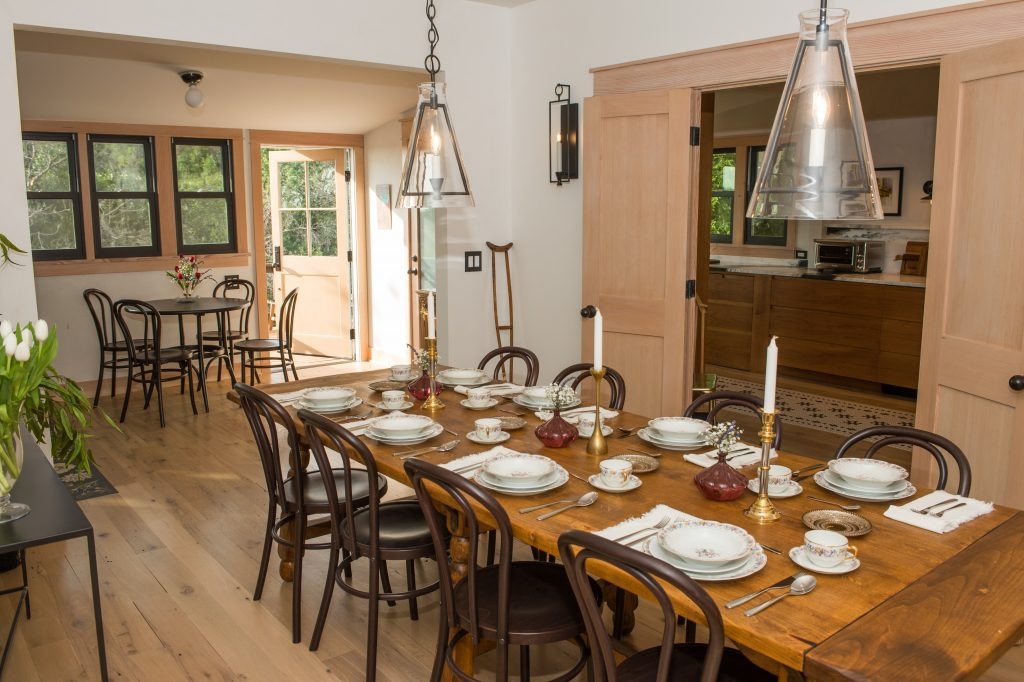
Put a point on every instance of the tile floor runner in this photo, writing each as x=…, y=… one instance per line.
x=823, y=413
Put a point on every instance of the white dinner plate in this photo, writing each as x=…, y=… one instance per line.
x=645, y=436
x=404, y=406
x=840, y=482
x=507, y=485
x=820, y=479
x=561, y=478
x=754, y=563
x=458, y=381
x=322, y=408
x=531, y=405
x=426, y=435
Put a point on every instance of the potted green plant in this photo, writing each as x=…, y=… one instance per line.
x=35, y=397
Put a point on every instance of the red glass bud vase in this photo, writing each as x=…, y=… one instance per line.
x=556, y=432
x=720, y=481
x=420, y=388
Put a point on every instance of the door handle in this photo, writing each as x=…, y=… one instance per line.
x=1017, y=382
x=277, y=258
x=414, y=271
x=589, y=311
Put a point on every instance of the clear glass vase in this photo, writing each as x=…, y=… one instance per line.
x=12, y=455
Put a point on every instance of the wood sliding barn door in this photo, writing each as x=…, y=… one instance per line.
x=639, y=220
x=974, y=308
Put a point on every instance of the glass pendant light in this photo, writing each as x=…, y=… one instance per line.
x=817, y=165
x=434, y=175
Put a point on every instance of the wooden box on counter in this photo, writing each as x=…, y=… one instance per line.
x=867, y=332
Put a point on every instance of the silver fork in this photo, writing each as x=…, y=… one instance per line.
x=939, y=514
x=667, y=519
x=925, y=510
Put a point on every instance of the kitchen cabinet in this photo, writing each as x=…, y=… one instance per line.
x=866, y=332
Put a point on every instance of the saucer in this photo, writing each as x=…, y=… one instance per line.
x=491, y=402
x=792, y=490
x=632, y=484
x=404, y=406
x=605, y=430
x=472, y=435
x=799, y=557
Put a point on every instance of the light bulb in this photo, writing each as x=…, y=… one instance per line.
x=820, y=106
x=194, y=97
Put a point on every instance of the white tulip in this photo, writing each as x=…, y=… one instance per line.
x=22, y=352
x=10, y=343
x=5, y=329
x=41, y=330
x=26, y=337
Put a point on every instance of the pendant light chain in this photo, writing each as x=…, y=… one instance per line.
x=432, y=63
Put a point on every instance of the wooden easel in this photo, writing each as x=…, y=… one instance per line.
x=498, y=326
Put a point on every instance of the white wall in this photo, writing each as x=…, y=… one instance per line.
x=907, y=142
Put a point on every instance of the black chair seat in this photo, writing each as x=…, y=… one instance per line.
x=258, y=345
x=687, y=663
x=315, y=496
x=173, y=354
x=400, y=526
x=231, y=336
x=542, y=607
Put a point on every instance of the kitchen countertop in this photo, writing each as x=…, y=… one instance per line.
x=892, y=279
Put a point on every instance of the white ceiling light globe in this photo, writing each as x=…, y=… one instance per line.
x=194, y=97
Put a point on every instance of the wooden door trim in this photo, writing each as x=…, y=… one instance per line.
x=259, y=138
x=903, y=40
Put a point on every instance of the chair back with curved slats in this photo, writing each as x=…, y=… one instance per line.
x=573, y=376
x=645, y=570
x=884, y=436
x=507, y=355
x=265, y=416
x=101, y=307
x=142, y=346
x=286, y=322
x=465, y=497
x=244, y=313
x=716, y=401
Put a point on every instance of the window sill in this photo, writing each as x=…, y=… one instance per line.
x=58, y=268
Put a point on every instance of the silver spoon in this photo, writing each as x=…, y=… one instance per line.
x=444, y=447
x=844, y=507
x=584, y=501
x=801, y=585
x=535, y=507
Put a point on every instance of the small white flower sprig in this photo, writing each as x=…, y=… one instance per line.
x=559, y=396
x=723, y=435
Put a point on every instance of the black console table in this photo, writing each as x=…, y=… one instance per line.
x=55, y=516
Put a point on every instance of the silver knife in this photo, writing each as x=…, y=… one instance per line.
x=785, y=582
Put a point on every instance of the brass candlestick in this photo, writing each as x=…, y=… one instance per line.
x=432, y=402
x=763, y=511
x=597, y=444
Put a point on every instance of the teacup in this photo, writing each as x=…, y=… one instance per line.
x=404, y=372
x=779, y=478
x=827, y=548
x=488, y=429
x=478, y=397
x=585, y=425
x=615, y=473
x=393, y=399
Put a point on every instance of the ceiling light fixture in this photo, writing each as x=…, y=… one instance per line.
x=434, y=174
x=817, y=165
x=193, y=96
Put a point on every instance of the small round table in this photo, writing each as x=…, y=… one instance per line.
x=197, y=307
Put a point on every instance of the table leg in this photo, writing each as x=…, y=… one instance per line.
x=202, y=360
x=97, y=613
x=623, y=606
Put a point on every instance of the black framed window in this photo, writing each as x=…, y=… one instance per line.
x=723, y=193
x=54, y=196
x=760, y=231
x=124, y=199
x=204, y=202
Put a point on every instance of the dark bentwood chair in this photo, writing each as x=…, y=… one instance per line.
x=101, y=307
x=296, y=495
x=282, y=345
x=522, y=603
x=228, y=334
x=574, y=375
x=926, y=440
x=507, y=355
x=146, y=359
x=716, y=401
x=669, y=661
x=379, y=531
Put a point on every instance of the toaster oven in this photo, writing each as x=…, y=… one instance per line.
x=849, y=255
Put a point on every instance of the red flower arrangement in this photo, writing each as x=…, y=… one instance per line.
x=188, y=275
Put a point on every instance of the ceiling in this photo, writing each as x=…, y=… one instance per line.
x=503, y=3
x=91, y=78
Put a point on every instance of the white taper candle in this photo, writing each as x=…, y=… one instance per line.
x=431, y=332
x=771, y=372
x=598, y=340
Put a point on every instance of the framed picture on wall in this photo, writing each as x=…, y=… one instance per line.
x=890, y=189
x=852, y=208
x=851, y=175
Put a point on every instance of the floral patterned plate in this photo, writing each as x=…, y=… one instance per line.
x=706, y=544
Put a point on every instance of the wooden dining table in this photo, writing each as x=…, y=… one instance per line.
x=922, y=606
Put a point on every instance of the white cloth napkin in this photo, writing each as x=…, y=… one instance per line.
x=939, y=524
x=706, y=459
x=289, y=397
x=573, y=416
x=496, y=389
x=639, y=523
x=477, y=458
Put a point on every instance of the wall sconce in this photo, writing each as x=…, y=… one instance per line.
x=193, y=96
x=563, y=125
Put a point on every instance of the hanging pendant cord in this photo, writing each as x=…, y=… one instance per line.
x=432, y=63
x=822, y=14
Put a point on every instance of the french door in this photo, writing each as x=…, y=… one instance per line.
x=639, y=232
x=971, y=388
x=311, y=210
